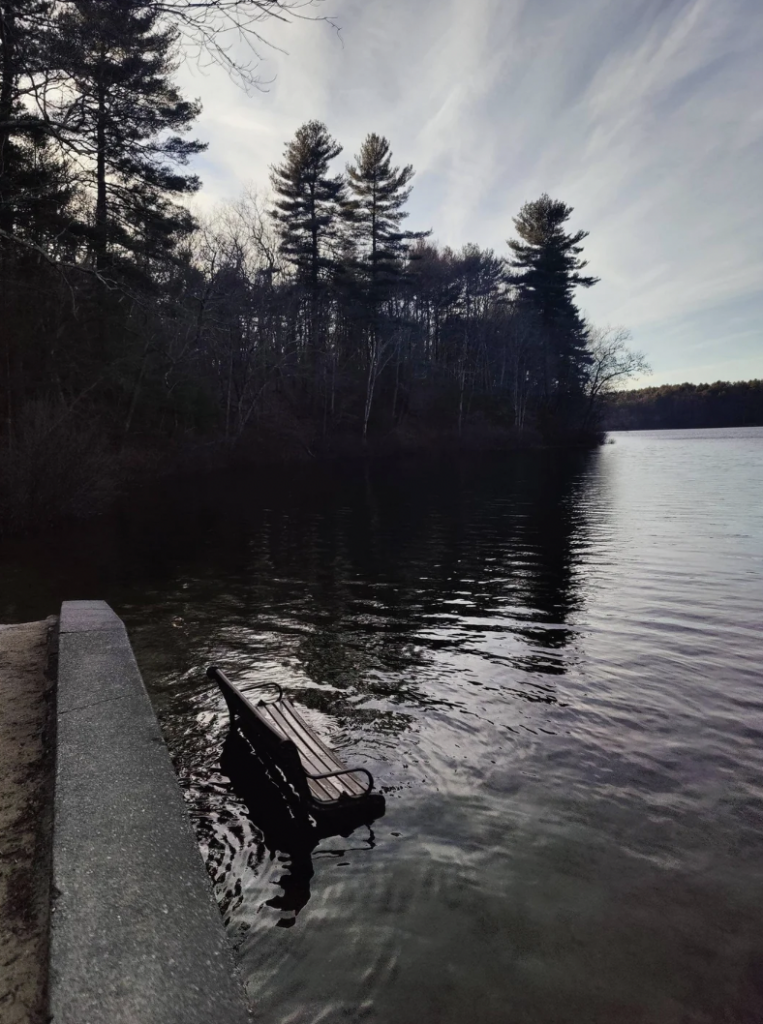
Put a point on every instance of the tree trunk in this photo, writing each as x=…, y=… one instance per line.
x=461, y=389
x=373, y=370
x=397, y=387
x=7, y=84
x=9, y=398
x=136, y=389
x=101, y=203
x=229, y=395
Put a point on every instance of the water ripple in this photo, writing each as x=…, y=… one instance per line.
x=551, y=665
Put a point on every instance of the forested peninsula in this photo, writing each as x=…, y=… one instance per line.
x=304, y=321
x=675, y=406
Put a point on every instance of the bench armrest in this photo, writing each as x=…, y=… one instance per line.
x=346, y=771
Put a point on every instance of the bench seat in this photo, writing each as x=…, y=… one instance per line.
x=277, y=730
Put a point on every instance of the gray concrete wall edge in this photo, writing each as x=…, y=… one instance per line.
x=136, y=935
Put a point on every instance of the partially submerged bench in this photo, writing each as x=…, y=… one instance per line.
x=277, y=731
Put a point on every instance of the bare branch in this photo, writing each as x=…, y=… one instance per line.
x=612, y=362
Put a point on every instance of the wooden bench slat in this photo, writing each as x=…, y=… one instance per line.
x=259, y=707
x=292, y=724
x=317, y=742
x=315, y=762
x=323, y=789
x=301, y=732
x=318, y=793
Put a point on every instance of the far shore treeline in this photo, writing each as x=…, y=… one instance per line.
x=306, y=321
x=676, y=406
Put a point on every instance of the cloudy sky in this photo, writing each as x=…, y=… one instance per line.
x=646, y=116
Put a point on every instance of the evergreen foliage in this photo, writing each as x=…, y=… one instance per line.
x=26, y=177
x=545, y=268
x=375, y=211
x=308, y=201
x=125, y=125
x=312, y=320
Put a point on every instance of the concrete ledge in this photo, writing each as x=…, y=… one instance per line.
x=136, y=936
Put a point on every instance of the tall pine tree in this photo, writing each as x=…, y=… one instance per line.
x=377, y=254
x=307, y=214
x=378, y=193
x=546, y=268
x=28, y=170
x=308, y=203
x=125, y=122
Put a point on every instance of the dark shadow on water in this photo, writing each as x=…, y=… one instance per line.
x=285, y=826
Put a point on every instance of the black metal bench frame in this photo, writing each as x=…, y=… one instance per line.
x=277, y=731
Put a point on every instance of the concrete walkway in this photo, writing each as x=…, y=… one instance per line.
x=26, y=801
x=136, y=937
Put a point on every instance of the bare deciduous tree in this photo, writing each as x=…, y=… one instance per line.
x=612, y=364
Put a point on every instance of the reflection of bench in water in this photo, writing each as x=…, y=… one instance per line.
x=277, y=731
x=287, y=830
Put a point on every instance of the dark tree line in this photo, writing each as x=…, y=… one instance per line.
x=311, y=319
x=721, y=404
x=329, y=310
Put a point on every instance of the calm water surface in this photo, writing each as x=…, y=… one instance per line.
x=552, y=666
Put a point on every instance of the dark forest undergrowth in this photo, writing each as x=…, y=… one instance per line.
x=59, y=470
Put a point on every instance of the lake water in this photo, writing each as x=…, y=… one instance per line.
x=551, y=663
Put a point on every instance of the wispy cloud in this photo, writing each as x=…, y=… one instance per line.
x=643, y=115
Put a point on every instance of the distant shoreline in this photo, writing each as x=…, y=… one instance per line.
x=686, y=406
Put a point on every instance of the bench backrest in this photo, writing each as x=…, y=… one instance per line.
x=260, y=732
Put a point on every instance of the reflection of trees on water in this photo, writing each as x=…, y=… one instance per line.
x=281, y=828
x=389, y=559
x=356, y=576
